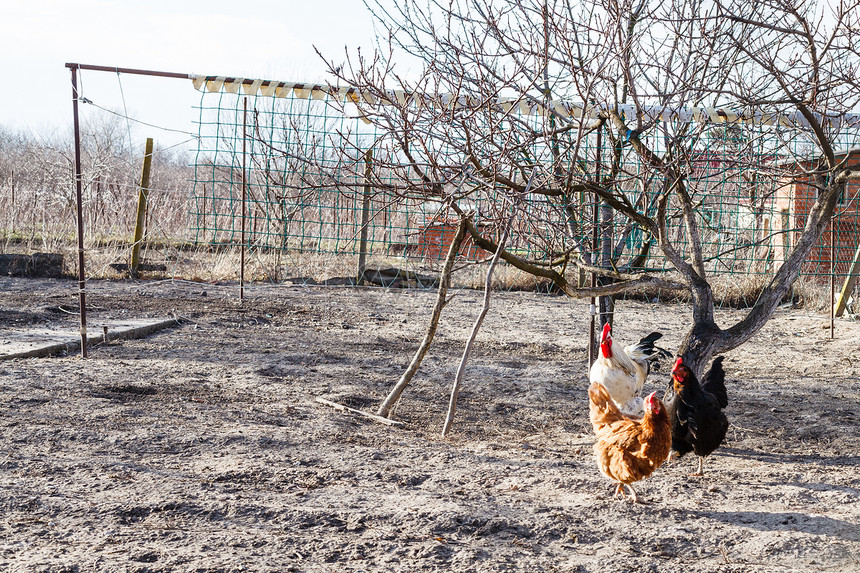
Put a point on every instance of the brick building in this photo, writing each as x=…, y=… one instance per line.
x=436, y=233
x=792, y=203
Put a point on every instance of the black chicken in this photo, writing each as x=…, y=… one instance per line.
x=696, y=412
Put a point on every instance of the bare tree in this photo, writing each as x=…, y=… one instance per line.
x=613, y=102
x=37, y=201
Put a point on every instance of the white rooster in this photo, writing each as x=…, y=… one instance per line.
x=623, y=372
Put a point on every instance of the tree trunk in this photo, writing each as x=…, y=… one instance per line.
x=705, y=338
x=700, y=344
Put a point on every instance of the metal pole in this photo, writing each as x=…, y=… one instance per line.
x=131, y=71
x=592, y=338
x=204, y=211
x=82, y=284
x=244, y=195
x=848, y=285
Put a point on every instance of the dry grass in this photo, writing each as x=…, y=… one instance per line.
x=206, y=263
x=742, y=291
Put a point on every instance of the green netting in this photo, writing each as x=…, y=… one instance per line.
x=281, y=213
x=748, y=219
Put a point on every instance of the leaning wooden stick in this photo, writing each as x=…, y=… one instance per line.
x=458, y=379
x=387, y=407
x=455, y=391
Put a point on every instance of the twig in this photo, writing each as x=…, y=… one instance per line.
x=488, y=287
x=458, y=378
x=373, y=417
x=750, y=430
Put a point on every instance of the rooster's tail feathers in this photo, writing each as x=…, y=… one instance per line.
x=646, y=350
x=651, y=338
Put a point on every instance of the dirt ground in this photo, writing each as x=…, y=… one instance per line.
x=203, y=448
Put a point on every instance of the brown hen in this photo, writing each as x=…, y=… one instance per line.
x=628, y=448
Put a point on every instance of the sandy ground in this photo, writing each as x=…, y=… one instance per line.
x=203, y=448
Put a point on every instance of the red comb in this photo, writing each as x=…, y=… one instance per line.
x=678, y=362
x=650, y=402
x=606, y=329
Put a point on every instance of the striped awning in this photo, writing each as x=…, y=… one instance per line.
x=564, y=109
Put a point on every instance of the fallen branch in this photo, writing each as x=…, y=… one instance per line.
x=373, y=417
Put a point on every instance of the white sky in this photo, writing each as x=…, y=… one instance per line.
x=271, y=39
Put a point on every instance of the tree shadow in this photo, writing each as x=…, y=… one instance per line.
x=791, y=458
x=785, y=521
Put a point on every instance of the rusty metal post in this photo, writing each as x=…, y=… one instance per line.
x=203, y=211
x=832, y=279
x=82, y=284
x=244, y=195
x=592, y=336
x=848, y=285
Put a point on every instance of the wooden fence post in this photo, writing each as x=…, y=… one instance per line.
x=365, y=217
x=141, y=209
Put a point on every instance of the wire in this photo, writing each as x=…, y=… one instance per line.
x=192, y=136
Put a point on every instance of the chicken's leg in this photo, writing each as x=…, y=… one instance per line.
x=619, y=492
x=633, y=497
x=699, y=472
